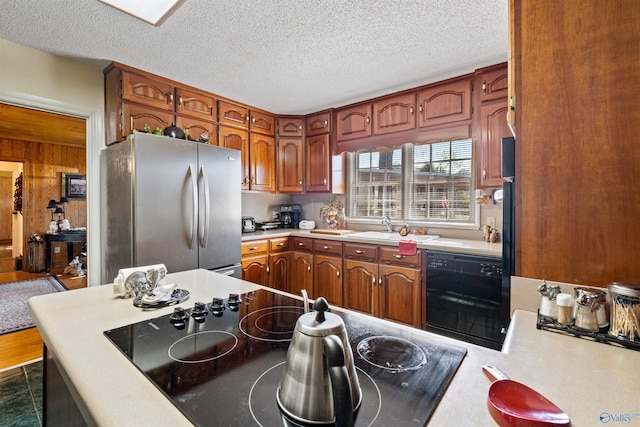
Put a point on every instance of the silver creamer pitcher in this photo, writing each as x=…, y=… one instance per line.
x=320, y=386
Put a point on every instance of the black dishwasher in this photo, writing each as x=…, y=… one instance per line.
x=464, y=297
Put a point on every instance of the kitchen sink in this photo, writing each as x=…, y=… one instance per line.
x=383, y=235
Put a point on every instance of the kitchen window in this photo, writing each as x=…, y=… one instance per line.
x=416, y=183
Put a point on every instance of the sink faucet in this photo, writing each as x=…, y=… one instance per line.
x=387, y=221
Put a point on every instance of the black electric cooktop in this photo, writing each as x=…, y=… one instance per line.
x=221, y=367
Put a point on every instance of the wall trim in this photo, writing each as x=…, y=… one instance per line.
x=95, y=142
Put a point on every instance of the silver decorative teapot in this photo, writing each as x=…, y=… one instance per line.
x=320, y=386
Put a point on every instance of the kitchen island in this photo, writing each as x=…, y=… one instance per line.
x=588, y=380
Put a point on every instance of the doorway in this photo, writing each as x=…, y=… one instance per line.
x=10, y=215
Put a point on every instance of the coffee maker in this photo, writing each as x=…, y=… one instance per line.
x=290, y=216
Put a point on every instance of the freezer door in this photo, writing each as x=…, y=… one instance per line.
x=219, y=229
x=165, y=208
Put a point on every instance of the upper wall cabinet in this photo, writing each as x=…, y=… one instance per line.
x=134, y=99
x=233, y=115
x=318, y=124
x=494, y=85
x=445, y=103
x=197, y=105
x=290, y=126
x=353, y=122
x=262, y=123
x=394, y=114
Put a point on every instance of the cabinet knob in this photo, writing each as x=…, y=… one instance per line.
x=170, y=98
x=338, y=273
x=308, y=268
x=484, y=88
x=420, y=108
x=253, y=248
x=398, y=256
x=280, y=244
x=299, y=127
x=326, y=123
x=326, y=248
x=359, y=251
x=301, y=244
x=180, y=101
x=300, y=183
x=373, y=280
x=367, y=119
x=411, y=110
x=324, y=181
x=484, y=172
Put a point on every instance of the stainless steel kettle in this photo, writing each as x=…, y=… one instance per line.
x=320, y=385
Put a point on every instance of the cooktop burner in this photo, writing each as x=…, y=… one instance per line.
x=220, y=363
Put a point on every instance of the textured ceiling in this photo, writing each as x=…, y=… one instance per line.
x=287, y=57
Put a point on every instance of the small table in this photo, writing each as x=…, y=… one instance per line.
x=70, y=237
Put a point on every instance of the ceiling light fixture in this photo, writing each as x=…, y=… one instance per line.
x=155, y=12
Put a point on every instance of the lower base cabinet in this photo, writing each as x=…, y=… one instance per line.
x=400, y=295
x=327, y=273
x=301, y=276
x=279, y=268
x=256, y=269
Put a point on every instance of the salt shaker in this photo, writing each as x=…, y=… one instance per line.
x=565, y=308
x=548, y=306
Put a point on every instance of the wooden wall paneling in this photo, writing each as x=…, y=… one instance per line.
x=42, y=181
x=26, y=124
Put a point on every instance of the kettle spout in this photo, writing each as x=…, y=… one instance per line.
x=340, y=386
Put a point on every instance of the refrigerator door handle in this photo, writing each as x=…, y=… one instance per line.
x=207, y=207
x=194, y=220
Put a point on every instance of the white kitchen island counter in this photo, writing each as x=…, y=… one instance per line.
x=586, y=379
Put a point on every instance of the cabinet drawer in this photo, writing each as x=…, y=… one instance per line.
x=302, y=244
x=255, y=247
x=390, y=255
x=360, y=251
x=278, y=245
x=327, y=247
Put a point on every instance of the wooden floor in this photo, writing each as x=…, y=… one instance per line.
x=26, y=345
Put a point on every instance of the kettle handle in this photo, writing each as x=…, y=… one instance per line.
x=340, y=386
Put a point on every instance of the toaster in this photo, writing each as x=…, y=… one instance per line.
x=248, y=224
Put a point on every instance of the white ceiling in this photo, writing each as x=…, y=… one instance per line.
x=287, y=57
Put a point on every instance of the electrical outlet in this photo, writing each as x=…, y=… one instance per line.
x=56, y=250
x=491, y=221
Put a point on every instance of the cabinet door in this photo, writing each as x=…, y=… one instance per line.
x=233, y=115
x=360, y=286
x=353, y=122
x=327, y=276
x=401, y=296
x=318, y=124
x=493, y=127
x=290, y=126
x=394, y=114
x=237, y=139
x=195, y=128
x=137, y=116
x=494, y=85
x=290, y=165
x=146, y=91
x=262, y=153
x=446, y=103
x=262, y=122
x=279, y=267
x=301, y=273
x=256, y=269
x=318, y=164
x=196, y=105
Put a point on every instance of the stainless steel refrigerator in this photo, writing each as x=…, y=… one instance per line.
x=170, y=201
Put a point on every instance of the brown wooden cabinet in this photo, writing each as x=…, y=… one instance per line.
x=401, y=295
x=493, y=127
x=301, y=273
x=494, y=84
x=233, y=115
x=318, y=124
x=267, y=262
x=194, y=128
x=290, y=155
x=353, y=122
x=262, y=152
x=196, y=104
x=361, y=286
x=262, y=123
x=237, y=139
x=318, y=164
x=279, y=268
x=327, y=273
x=147, y=91
x=394, y=114
x=290, y=126
x=445, y=103
x=136, y=117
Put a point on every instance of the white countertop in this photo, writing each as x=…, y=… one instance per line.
x=472, y=247
x=586, y=379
